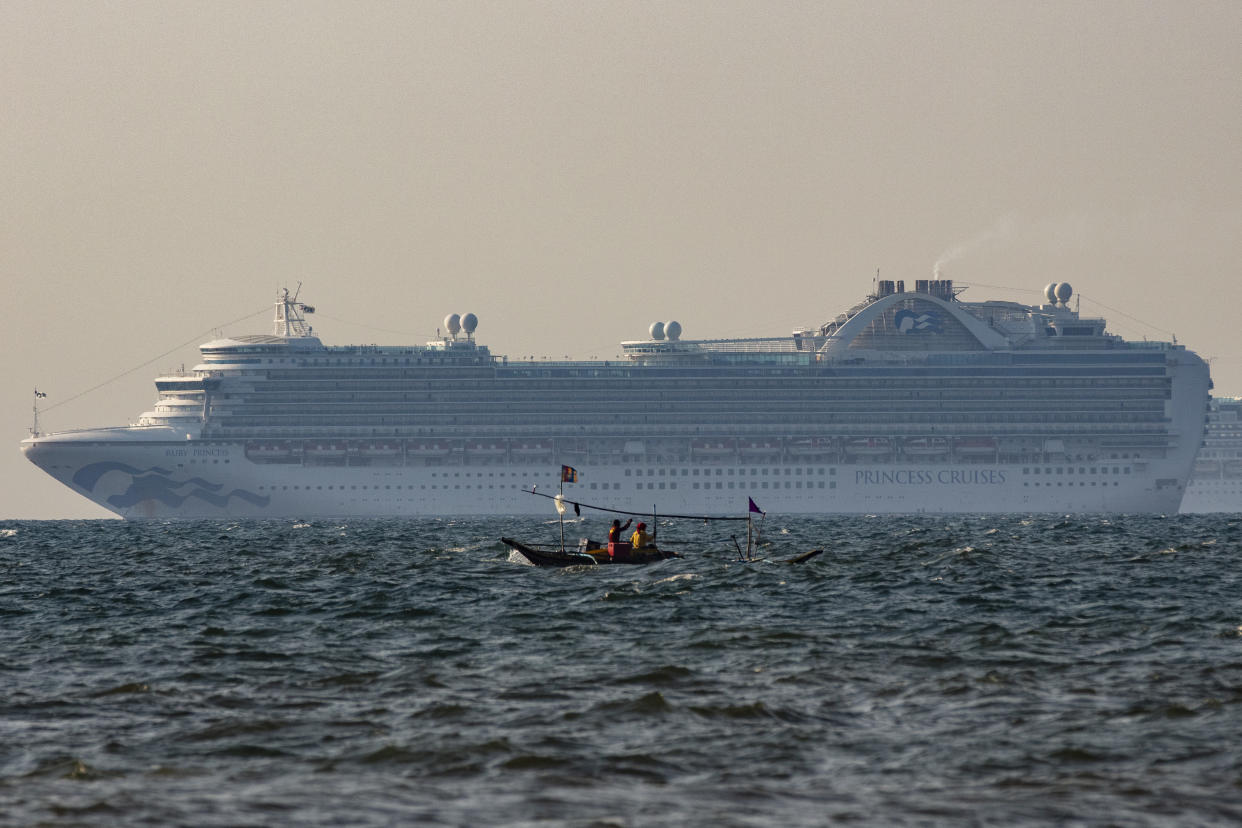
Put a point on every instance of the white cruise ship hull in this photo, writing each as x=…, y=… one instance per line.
x=201, y=479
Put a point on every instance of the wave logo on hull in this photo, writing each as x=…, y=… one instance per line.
x=157, y=484
x=907, y=321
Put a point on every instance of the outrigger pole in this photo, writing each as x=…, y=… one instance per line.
x=582, y=505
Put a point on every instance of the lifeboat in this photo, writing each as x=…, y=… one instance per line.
x=925, y=446
x=974, y=445
x=325, y=450
x=810, y=446
x=378, y=448
x=427, y=448
x=869, y=446
x=485, y=448
x=759, y=447
x=531, y=448
x=271, y=451
x=1207, y=468
x=1233, y=468
x=712, y=448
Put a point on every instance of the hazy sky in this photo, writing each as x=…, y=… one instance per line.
x=573, y=171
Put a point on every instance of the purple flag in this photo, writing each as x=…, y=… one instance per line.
x=755, y=508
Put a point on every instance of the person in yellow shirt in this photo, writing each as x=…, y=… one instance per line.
x=640, y=539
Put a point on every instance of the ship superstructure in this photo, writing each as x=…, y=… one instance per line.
x=1216, y=482
x=910, y=401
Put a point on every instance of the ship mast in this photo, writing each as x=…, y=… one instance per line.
x=34, y=428
x=290, y=321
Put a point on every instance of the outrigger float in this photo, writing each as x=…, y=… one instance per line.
x=593, y=553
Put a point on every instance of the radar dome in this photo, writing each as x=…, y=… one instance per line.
x=453, y=323
x=469, y=322
x=1064, y=292
x=672, y=330
x=657, y=330
x=1050, y=293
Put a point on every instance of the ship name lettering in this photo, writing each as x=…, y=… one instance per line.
x=928, y=477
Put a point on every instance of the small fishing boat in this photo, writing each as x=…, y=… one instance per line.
x=592, y=555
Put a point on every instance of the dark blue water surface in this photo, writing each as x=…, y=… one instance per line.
x=923, y=671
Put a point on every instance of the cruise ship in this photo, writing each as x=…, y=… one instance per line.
x=911, y=401
x=1216, y=482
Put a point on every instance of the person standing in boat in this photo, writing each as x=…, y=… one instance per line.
x=614, y=534
x=640, y=539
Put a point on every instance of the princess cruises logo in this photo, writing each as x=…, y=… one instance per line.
x=907, y=321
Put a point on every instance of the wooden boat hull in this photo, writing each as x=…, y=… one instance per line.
x=593, y=557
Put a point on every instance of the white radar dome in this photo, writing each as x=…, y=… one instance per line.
x=469, y=322
x=672, y=330
x=657, y=330
x=1064, y=292
x=1050, y=293
x=452, y=322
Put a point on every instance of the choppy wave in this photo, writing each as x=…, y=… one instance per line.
x=923, y=670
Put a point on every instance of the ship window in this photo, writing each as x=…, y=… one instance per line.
x=638, y=485
x=661, y=484
x=763, y=485
x=650, y=485
x=672, y=485
x=719, y=485
x=821, y=484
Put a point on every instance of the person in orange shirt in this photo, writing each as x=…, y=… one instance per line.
x=614, y=534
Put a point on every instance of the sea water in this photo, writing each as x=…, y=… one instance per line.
x=923, y=670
